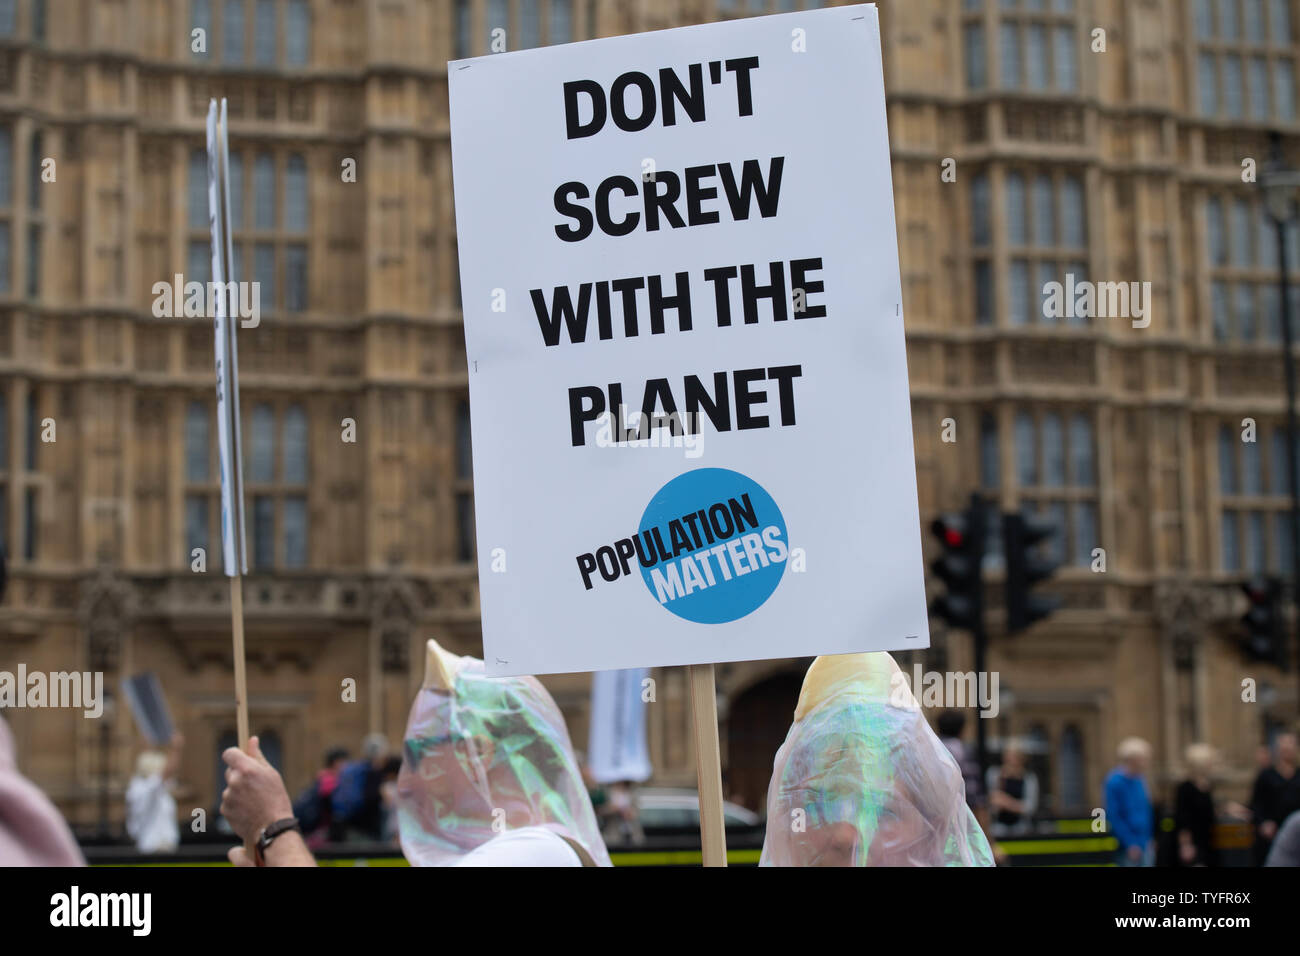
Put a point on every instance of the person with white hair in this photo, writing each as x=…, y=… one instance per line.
x=1128, y=804
x=1194, y=810
x=150, y=806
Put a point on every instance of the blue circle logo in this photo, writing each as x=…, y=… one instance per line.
x=712, y=545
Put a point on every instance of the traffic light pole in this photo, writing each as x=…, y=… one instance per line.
x=964, y=538
x=978, y=528
x=1288, y=362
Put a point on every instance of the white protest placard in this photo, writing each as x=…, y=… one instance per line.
x=234, y=549
x=683, y=318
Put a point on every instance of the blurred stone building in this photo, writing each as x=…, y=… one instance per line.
x=1112, y=157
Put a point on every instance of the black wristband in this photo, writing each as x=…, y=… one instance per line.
x=269, y=833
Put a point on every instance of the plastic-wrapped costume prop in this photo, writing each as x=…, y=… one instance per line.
x=875, y=785
x=476, y=744
x=32, y=831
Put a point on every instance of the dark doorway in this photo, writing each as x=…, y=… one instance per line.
x=757, y=723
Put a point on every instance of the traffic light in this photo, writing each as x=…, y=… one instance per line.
x=1265, y=636
x=1021, y=535
x=961, y=536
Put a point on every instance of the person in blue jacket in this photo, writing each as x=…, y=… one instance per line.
x=1128, y=805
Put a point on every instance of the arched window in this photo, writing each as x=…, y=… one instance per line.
x=261, y=457
x=530, y=26
x=295, y=445
x=1074, y=218
x=264, y=32
x=1026, y=450
x=1252, y=472
x=1044, y=212
x=1053, y=451
x=263, y=191
x=198, y=443
x=297, y=33
x=498, y=17
x=232, y=38
x=1074, y=783
x=1038, y=758
x=200, y=19
x=1083, y=470
x=981, y=228
x=295, y=193
x=976, y=73
x=198, y=189
x=1227, y=462
x=1017, y=224
x=462, y=29
x=990, y=470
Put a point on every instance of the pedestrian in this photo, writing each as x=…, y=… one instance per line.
x=1194, y=812
x=356, y=804
x=314, y=806
x=1013, y=792
x=1128, y=804
x=950, y=725
x=150, y=805
x=623, y=822
x=388, y=831
x=1276, y=794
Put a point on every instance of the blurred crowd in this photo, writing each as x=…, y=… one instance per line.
x=1006, y=802
x=355, y=800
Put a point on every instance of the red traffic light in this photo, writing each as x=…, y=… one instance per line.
x=951, y=530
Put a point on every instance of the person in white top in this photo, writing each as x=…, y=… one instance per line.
x=150, y=806
x=525, y=846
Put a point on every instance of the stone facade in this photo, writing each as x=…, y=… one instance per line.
x=364, y=548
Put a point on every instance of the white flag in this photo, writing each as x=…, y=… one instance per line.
x=617, y=744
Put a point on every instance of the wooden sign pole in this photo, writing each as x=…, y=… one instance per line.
x=234, y=548
x=241, y=680
x=708, y=763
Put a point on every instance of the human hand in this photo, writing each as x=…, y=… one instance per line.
x=238, y=856
x=255, y=795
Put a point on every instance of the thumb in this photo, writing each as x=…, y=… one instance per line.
x=255, y=751
x=239, y=857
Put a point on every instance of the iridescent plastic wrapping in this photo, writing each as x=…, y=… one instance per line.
x=862, y=780
x=490, y=744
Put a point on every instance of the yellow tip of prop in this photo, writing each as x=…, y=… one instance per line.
x=873, y=672
x=439, y=667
